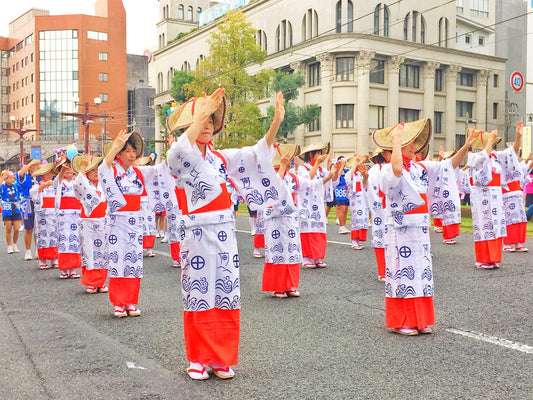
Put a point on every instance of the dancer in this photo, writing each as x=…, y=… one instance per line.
x=28, y=213
x=210, y=279
x=11, y=212
x=93, y=223
x=356, y=181
x=43, y=195
x=409, y=277
x=147, y=210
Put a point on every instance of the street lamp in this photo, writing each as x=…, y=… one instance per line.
x=21, y=131
x=86, y=117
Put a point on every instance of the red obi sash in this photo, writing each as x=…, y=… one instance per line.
x=98, y=212
x=48, y=202
x=133, y=201
x=423, y=209
x=514, y=186
x=69, y=203
x=358, y=186
x=496, y=179
x=221, y=202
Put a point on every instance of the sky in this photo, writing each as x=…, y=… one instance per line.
x=141, y=15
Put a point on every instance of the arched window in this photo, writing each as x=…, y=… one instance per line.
x=199, y=60
x=180, y=11
x=349, y=15
x=381, y=20
x=338, y=14
x=168, y=14
x=284, y=35
x=261, y=40
x=163, y=42
x=189, y=13
x=414, y=27
x=159, y=82
x=310, y=25
x=164, y=16
x=198, y=11
x=422, y=29
x=443, y=32
x=186, y=67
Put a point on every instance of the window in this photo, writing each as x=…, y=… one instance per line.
x=180, y=11
x=29, y=39
x=19, y=46
x=479, y=8
x=32, y=78
x=96, y=35
x=495, y=80
x=377, y=71
x=494, y=110
x=344, y=68
x=459, y=6
x=102, y=56
x=104, y=96
x=310, y=24
x=189, y=13
x=481, y=41
x=376, y=117
x=74, y=75
x=315, y=125
x=102, y=76
x=284, y=35
x=443, y=32
x=344, y=115
x=464, y=107
x=408, y=114
x=339, y=16
x=22, y=63
x=467, y=39
x=31, y=57
x=313, y=75
x=438, y=80
x=349, y=16
x=465, y=79
x=437, y=122
x=410, y=76
x=261, y=40
x=198, y=10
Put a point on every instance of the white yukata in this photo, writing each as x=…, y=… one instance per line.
x=210, y=281
x=358, y=205
x=409, y=276
x=376, y=199
x=93, y=232
x=45, y=229
x=68, y=229
x=149, y=230
x=488, y=218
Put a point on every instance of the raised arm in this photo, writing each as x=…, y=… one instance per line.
x=518, y=137
x=279, y=114
x=458, y=157
x=209, y=106
x=117, y=145
x=396, y=157
x=319, y=160
x=493, y=139
x=284, y=164
x=24, y=170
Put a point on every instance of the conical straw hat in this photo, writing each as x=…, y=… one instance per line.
x=137, y=140
x=281, y=149
x=322, y=147
x=418, y=131
x=183, y=116
x=481, y=140
x=94, y=162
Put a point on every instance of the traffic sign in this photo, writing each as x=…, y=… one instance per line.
x=517, y=81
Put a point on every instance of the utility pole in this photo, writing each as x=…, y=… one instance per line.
x=21, y=131
x=85, y=118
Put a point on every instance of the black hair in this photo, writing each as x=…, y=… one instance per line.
x=131, y=142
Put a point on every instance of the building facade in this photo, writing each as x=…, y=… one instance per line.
x=367, y=67
x=60, y=64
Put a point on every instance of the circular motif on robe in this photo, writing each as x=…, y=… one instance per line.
x=140, y=239
x=284, y=203
x=241, y=170
x=132, y=221
x=186, y=164
x=292, y=233
x=275, y=234
x=112, y=239
x=377, y=221
x=97, y=243
x=265, y=182
x=73, y=227
x=197, y=262
x=404, y=251
x=165, y=195
x=89, y=196
x=315, y=207
x=424, y=229
x=494, y=211
x=359, y=212
x=394, y=205
x=236, y=261
x=485, y=202
x=222, y=236
x=104, y=180
x=445, y=194
x=512, y=206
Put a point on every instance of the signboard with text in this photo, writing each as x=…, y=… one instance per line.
x=526, y=141
x=219, y=10
x=36, y=153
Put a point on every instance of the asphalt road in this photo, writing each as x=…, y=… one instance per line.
x=58, y=342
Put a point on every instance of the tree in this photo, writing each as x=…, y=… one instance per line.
x=177, y=89
x=288, y=84
x=232, y=47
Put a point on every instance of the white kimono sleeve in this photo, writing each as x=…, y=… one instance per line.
x=479, y=168
x=85, y=192
x=113, y=194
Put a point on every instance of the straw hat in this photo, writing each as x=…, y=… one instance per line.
x=281, y=149
x=481, y=140
x=323, y=148
x=42, y=169
x=144, y=161
x=182, y=117
x=418, y=132
x=448, y=154
x=137, y=141
x=94, y=162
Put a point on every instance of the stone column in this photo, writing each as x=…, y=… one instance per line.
x=393, y=70
x=429, y=94
x=363, y=80
x=451, y=100
x=328, y=108
x=299, y=132
x=481, y=98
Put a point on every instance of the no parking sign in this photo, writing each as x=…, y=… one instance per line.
x=517, y=81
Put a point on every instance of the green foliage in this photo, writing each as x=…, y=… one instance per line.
x=182, y=34
x=178, y=88
x=287, y=83
x=232, y=48
x=162, y=113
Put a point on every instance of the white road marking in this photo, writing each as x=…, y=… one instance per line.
x=130, y=364
x=494, y=340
